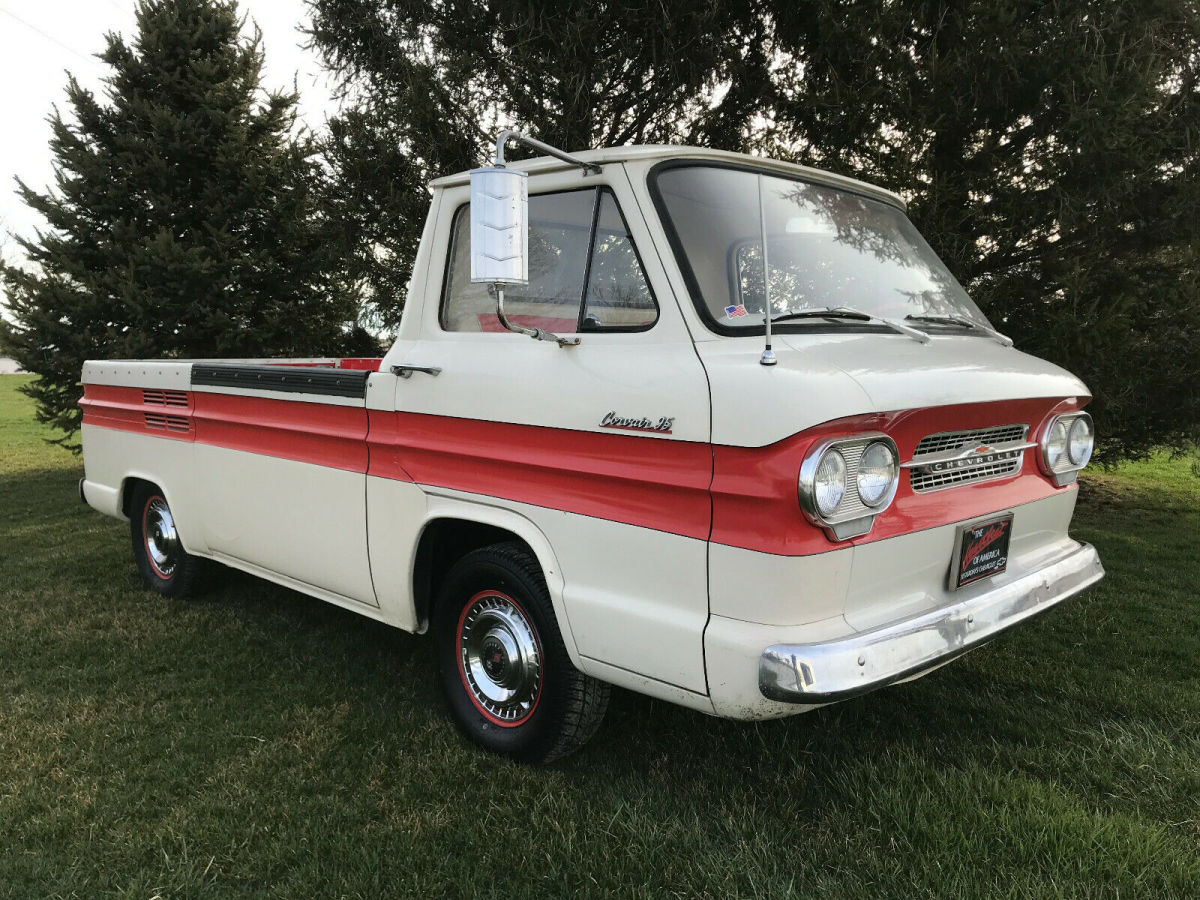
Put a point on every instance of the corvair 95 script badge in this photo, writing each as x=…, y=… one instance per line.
x=658, y=426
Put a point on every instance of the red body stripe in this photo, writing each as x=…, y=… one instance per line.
x=318, y=433
x=755, y=503
x=659, y=484
x=360, y=363
x=650, y=482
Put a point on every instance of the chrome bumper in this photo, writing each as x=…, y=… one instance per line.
x=836, y=670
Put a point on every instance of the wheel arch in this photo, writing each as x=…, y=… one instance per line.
x=128, y=487
x=454, y=528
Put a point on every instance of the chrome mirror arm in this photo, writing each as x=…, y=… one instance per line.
x=510, y=135
x=536, y=333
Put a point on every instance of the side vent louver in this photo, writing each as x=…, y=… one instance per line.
x=164, y=422
x=159, y=397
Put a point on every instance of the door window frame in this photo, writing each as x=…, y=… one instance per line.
x=599, y=191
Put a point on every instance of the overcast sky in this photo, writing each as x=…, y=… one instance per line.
x=41, y=40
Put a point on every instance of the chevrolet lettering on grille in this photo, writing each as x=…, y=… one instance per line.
x=972, y=455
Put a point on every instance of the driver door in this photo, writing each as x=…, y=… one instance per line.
x=603, y=446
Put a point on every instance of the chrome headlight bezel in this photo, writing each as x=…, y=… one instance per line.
x=1063, y=468
x=852, y=517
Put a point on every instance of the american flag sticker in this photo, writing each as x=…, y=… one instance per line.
x=735, y=312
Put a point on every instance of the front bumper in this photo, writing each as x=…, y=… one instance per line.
x=836, y=670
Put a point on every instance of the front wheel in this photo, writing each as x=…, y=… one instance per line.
x=504, y=668
x=164, y=565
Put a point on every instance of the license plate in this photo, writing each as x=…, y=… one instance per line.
x=980, y=550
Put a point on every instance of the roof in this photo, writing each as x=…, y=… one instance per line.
x=657, y=152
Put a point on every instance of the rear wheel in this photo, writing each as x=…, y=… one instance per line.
x=165, y=566
x=504, y=668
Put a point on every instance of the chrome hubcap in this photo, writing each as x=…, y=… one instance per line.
x=162, y=541
x=500, y=656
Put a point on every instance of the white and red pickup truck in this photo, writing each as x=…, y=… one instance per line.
x=764, y=453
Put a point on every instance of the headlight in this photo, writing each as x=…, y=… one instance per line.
x=1080, y=442
x=1056, y=443
x=876, y=474
x=830, y=484
x=845, y=482
x=1067, y=445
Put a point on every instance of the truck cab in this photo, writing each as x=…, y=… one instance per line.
x=765, y=453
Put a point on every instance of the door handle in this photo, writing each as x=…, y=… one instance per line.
x=407, y=371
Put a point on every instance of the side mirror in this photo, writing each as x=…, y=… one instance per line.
x=500, y=240
x=499, y=226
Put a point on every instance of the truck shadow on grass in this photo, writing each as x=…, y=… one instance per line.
x=373, y=665
x=1001, y=706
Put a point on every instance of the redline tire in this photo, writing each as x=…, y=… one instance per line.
x=502, y=663
x=165, y=567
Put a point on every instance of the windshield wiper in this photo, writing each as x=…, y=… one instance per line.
x=1001, y=339
x=845, y=312
x=822, y=314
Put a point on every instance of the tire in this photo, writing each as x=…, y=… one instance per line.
x=164, y=565
x=502, y=663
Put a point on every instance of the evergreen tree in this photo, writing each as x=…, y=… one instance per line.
x=1049, y=150
x=184, y=217
x=432, y=83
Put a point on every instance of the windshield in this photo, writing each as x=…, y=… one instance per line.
x=824, y=248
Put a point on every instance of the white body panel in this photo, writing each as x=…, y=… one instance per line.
x=111, y=458
x=298, y=519
x=820, y=377
x=644, y=616
x=398, y=513
x=139, y=373
x=855, y=589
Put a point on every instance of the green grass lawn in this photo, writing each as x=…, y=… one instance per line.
x=260, y=743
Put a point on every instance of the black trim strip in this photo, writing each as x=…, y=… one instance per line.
x=285, y=379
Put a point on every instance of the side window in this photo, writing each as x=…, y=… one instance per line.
x=577, y=252
x=617, y=293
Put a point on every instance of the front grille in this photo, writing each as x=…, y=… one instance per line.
x=163, y=422
x=954, y=440
x=157, y=397
x=923, y=480
x=932, y=481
